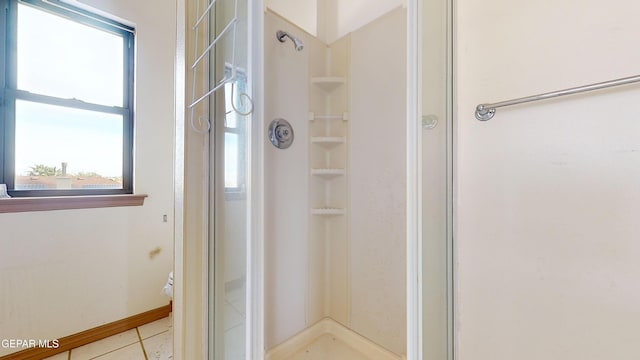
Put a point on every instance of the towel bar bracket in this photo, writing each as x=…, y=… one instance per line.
x=483, y=113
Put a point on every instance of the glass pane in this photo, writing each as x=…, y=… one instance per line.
x=436, y=254
x=231, y=178
x=62, y=148
x=234, y=97
x=62, y=58
x=230, y=118
x=229, y=239
x=234, y=137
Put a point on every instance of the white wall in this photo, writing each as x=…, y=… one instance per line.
x=377, y=189
x=353, y=14
x=332, y=19
x=62, y=272
x=547, y=193
x=303, y=13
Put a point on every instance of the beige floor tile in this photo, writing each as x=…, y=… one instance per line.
x=61, y=356
x=104, y=346
x=155, y=328
x=159, y=347
x=131, y=352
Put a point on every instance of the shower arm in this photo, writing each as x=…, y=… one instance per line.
x=281, y=35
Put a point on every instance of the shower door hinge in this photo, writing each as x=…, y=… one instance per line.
x=429, y=121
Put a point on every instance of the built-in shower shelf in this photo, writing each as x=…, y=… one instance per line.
x=328, y=173
x=327, y=211
x=328, y=83
x=327, y=140
x=344, y=116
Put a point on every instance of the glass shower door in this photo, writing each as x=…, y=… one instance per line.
x=437, y=180
x=229, y=199
x=229, y=238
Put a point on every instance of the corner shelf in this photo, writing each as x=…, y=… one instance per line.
x=327, y=211
x=313, y=116
x=328, y=140
x=328, y=83
x=328, y=173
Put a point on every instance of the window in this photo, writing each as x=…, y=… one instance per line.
x=235, y=160
x=66, y=103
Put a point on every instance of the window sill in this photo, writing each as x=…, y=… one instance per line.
x=13, y=205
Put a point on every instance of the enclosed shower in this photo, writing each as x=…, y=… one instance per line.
x=542, y=199
x=306, y=141
x=335, y=224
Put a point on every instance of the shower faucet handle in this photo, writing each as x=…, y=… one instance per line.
x=280, y=133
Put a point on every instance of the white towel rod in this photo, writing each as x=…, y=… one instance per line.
x=230, y=25
x=485, y=112
x=204, y=14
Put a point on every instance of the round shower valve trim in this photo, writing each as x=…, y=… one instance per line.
x=280, y=133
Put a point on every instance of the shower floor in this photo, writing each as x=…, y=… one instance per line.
x=325, y=347
x=328, y=339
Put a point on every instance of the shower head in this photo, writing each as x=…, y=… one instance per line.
x=297, y=43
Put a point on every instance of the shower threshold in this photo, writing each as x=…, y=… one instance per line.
x=328, y=339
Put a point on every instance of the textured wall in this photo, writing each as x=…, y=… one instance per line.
x=286, y=184
x=377, y=176
x=330, y=20
x=547, y=193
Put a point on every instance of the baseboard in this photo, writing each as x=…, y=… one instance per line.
x=88, y=336
x=330, y=326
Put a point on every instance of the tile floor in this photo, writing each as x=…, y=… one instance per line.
x=234, y=324
x=153, y=341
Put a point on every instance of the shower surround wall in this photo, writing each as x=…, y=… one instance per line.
x=377, y=174
x=286, y=180
x=348, y=267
